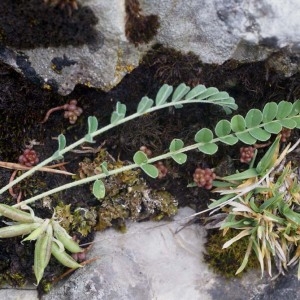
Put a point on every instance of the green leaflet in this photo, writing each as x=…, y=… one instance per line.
x=222, y=128
x=140, y=158
x=180, y=92
x=238, y=123
x=99, y=189
x=253, y=118
x=269, y=112
x=163, y=94
x=204, y=135
x=150, y=170
x=144, y=105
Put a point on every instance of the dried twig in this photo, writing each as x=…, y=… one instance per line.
x=50, y=169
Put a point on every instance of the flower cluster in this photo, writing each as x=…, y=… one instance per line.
x=72, y=111
x=146, y=150
x=246, y=154
x=162, y=169
x=285, y=134
x=29, y=158
x=204, y=177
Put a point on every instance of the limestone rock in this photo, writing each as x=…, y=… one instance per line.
x=97, y=52
x=152, y=261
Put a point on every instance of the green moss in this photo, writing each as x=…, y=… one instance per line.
x=127, y=194
x=45, y=286
x=13, y=279
x=81, y=220
x=227, y=261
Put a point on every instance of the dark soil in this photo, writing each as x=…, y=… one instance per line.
x=23, y=105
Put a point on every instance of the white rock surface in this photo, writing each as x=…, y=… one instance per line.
x=18, y=294
x=218, y=30
x=151, y=261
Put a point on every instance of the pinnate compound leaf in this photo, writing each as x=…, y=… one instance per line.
x=140, y=158
x=273, y=127
x=270, y=111
x=253, y=118
x=144, y=105
x=99, y=189
x=150, y=170
x=204, y=135
x=260, y=134
x=180, y=92
x=163, y=94
x=223, y=128
x=176, y=144
x=238, y=123
x=196, y=91
x=180, y=158
x=284, y=109
x=246, y=138
x=209, y=148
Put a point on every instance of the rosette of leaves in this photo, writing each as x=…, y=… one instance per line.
x=50, y=237
x=263, y=204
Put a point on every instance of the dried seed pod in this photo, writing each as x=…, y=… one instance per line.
x=17, y=214
x=63, y=257
x=15, y=230
x=42, y=253
x=37, y=232
x=61, y=234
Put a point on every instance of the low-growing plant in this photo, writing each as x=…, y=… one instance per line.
x=256, y=126
x=263, y=203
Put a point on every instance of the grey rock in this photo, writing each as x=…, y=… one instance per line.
x=153, y=261
x=219, y=30
x=286, y=287
x=18, y=294
x=102, y=63
x=215, y=30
